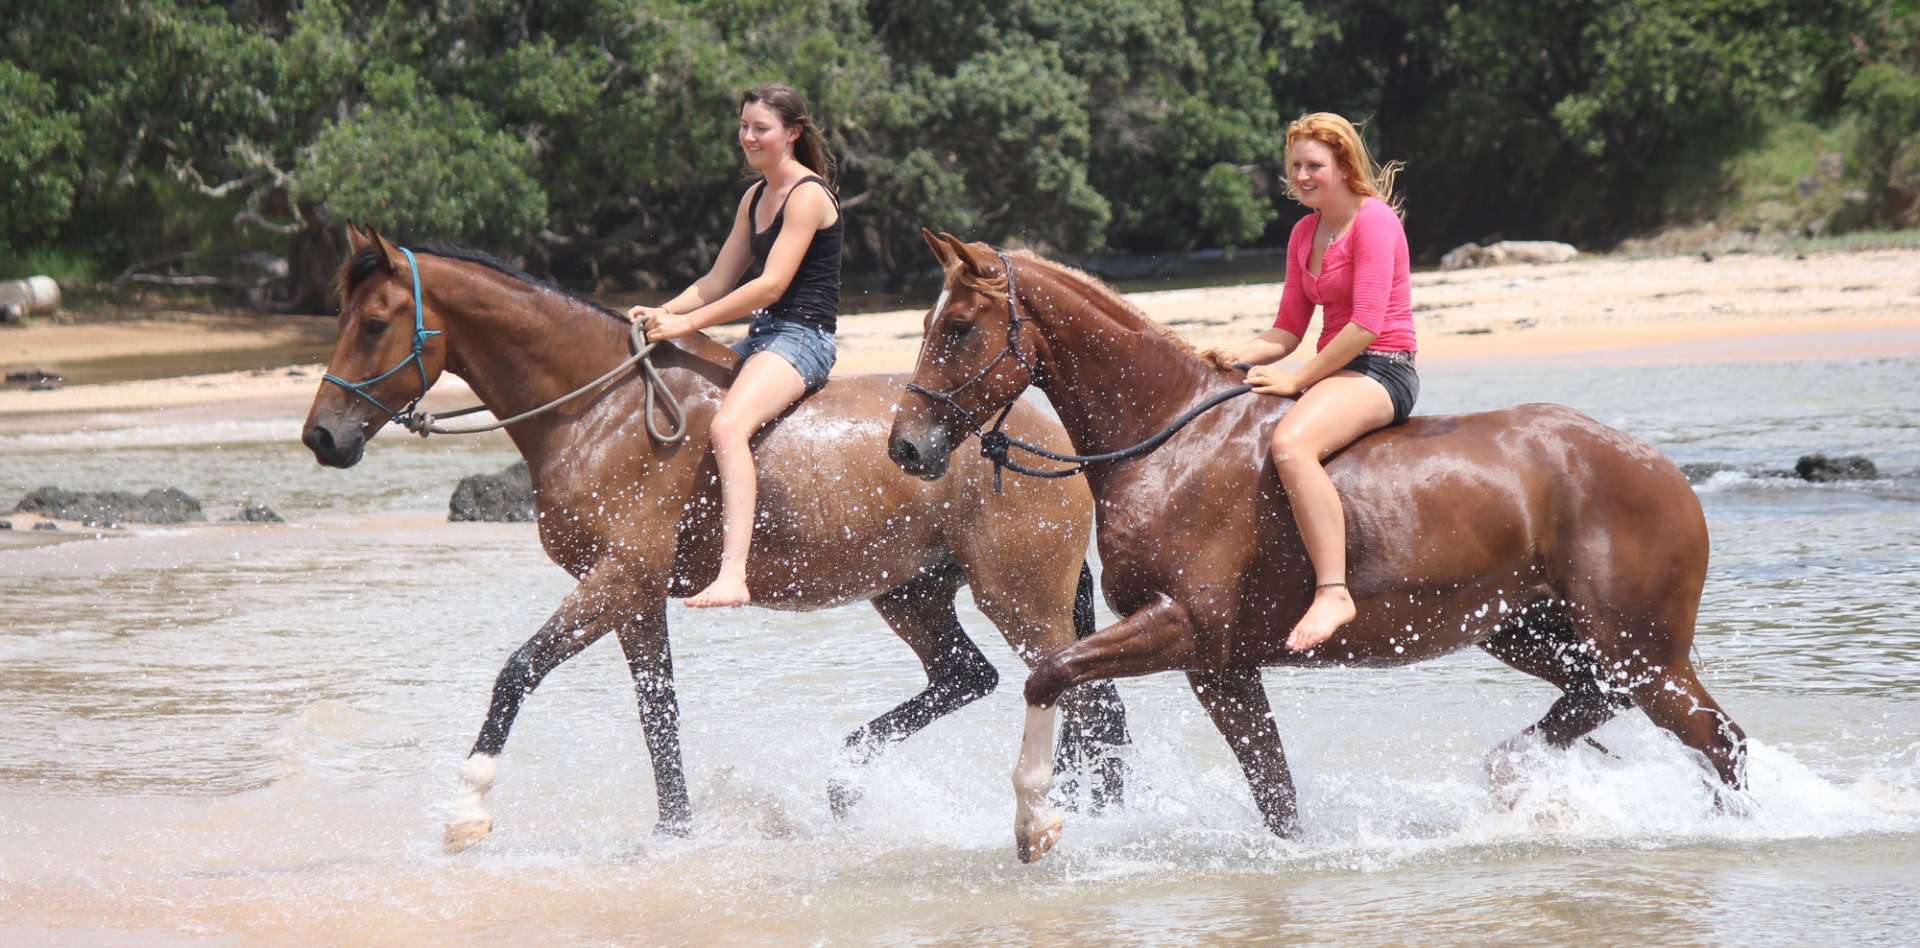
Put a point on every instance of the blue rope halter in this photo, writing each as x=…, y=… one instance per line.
x=421, y=334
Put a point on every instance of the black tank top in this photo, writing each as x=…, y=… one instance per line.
x=813, y=295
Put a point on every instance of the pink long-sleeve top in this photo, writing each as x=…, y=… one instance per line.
x=1364, y=279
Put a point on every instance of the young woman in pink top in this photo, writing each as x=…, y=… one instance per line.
x=1349, y=257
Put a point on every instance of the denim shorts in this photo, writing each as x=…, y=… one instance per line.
x=1394, y=371
x=809, y=349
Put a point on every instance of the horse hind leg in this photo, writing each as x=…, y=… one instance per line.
x=1674, y=699
x=1542, y=643
x=1644, y=663
x=922, y=613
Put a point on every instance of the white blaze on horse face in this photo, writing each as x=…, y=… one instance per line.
x=926, y=339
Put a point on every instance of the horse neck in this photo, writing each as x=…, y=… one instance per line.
x=521, y=346
x=1115, y=377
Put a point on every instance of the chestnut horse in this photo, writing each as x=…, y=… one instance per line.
x=1564, y=548
x=636, y=520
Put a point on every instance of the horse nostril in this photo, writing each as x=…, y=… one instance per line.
x=903, y=452
x=318, y=439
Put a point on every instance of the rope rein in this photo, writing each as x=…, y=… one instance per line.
x=423, y=423
x=997, y=447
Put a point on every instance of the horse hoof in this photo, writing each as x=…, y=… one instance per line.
x=1033, y=844
x=841, y=796
x=465, y=834
x=678, y=829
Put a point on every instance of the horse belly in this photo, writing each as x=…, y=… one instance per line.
x=830, y=529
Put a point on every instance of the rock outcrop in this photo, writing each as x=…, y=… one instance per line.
x=506, y=497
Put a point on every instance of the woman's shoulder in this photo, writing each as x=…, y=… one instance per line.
x=1378, y=219
x=1303, y=228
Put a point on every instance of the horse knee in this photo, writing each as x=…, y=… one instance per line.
x=1046, y=682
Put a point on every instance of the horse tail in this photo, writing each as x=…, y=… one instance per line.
x=1083, y=603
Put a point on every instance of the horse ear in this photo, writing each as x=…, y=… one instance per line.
x=978, y=258
x=390, y=256
x=356, y=241
x=939, y=248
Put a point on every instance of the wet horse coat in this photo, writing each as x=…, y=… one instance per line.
x=1567, y=549
x=637, y=521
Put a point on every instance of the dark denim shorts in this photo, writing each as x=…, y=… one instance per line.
x=809, y=349
x=1394, y=371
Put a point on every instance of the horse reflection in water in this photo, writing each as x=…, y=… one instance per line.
x=1564, y=548
x=637, y=519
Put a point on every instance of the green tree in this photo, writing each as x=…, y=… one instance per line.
x=38, y=147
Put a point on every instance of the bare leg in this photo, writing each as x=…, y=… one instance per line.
x=764, y=388
x=1328, y=417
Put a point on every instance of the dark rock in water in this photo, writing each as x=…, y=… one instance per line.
x=33, y=375
x=112, y=508
x=6, y=524
x=503, y=497
x=256, y=513
x=44, y=525
x=1846, y=467
x=1699, y=472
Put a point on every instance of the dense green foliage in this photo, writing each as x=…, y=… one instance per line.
x=594, y=138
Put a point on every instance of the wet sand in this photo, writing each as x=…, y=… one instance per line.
x=1672, y=310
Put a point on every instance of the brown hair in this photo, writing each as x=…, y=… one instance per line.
x=1364, y=176
x=811, y=148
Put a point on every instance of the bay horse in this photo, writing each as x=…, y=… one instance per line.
x=1564, y=548
x=635, y=519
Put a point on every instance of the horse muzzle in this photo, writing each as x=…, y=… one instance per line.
x=335, y=448
x=924, y=456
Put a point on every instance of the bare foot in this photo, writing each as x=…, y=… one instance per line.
x=1332, y=608
x=725, y=591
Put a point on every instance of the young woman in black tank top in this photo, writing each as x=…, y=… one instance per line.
x=790, y=221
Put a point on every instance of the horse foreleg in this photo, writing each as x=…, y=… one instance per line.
x=922, y=614
x=1159, y=637
x=650, y=660
x=561, y=637
x=1237, y=703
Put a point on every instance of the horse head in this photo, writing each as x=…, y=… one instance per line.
x=385, y=355
x=978, y=354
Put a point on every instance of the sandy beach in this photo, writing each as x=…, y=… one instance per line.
x=1671, y=310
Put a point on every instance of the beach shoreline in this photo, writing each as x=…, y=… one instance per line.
x=1592, y=310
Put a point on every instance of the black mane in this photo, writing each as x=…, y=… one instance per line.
x=367, y=260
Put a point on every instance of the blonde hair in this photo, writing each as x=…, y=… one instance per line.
x=1365, y=177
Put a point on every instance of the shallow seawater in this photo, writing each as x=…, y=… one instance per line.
x=228, y=733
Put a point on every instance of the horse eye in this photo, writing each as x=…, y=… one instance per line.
x=376, y=326
x=957, y=330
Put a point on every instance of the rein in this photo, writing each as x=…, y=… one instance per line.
x=422, y=423
x=996, y=446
